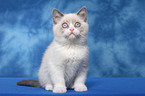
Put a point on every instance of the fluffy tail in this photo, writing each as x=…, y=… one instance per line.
x=32, y=83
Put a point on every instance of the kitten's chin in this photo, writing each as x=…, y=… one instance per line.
x=72, y=36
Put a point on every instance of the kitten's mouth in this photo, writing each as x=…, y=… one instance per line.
x=72, y=33
x=75, y=36
x=72, y=36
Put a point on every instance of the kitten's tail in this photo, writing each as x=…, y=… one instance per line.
x=32, y=83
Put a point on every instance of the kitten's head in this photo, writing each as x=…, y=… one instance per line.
x=70, y=27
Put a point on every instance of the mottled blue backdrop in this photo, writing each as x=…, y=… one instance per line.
x=116, y=36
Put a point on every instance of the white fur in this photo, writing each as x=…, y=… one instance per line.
x=65, y=62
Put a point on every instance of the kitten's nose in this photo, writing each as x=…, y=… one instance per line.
x=71, y=29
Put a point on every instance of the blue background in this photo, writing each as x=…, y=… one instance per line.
x=116, y=35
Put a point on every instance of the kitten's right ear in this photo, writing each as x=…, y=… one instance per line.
x=57, y=15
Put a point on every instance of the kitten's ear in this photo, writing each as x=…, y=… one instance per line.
x=83, y=13
x=57, y=15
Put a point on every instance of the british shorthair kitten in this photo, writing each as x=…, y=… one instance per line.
x=65, y=61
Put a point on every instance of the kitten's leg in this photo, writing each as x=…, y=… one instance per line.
x=44, y=78
x=79, y=84
x=57, y=77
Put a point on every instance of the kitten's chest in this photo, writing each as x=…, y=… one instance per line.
x=73, y=53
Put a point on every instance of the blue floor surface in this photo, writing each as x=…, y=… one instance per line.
x=96, y=87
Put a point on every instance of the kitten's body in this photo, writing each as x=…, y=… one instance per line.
x=68, y=59
x=65, y=62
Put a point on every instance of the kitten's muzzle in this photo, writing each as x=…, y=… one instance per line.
x=71, y=30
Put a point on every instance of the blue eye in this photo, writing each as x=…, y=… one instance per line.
x=64, y=25
x=77, y=24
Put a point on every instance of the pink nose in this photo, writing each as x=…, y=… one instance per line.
x=71, y=29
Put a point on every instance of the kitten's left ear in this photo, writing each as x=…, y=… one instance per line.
x=83, y=13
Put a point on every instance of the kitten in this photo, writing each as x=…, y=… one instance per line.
x=65, y=62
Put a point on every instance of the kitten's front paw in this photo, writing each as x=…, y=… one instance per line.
x=59, y=89
x=48, y=87
x=80, y=87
